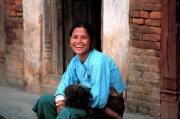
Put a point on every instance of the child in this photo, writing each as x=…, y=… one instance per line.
x=77, y=100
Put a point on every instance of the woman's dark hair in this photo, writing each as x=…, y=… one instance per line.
x=77, y=96
x=88, y=27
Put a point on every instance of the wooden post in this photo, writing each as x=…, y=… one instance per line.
x=170, y=58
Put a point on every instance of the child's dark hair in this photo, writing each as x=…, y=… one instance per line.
x=77, y=96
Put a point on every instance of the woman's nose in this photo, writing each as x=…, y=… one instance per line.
x=79, y=39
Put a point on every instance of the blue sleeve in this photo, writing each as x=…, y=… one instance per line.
x=69, y=77
x=116, y=80
x=101, y=84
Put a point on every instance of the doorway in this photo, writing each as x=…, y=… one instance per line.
x=79, y=10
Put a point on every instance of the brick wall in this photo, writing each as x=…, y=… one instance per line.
x=14, y=42
x=143, y=93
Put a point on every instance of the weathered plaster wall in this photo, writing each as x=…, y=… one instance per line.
x=2, y=28
x=32, y=44
x=116, y=33
x=2, y=42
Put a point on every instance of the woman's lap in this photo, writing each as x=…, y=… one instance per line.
x=45, y=107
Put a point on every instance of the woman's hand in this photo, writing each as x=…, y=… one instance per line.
x=59, y=105
x=110, y=112
x=119, y=117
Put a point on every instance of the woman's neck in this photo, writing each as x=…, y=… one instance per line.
x=83, y=57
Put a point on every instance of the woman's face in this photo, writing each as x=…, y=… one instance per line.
x=80, y=42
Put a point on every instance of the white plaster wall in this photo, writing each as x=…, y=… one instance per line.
x=32, y=14
x=115, y=33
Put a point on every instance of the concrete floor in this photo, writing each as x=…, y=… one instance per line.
x=16, y=104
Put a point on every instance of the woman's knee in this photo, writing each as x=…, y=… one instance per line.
x=46, y=98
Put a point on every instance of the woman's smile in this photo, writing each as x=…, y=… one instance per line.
x=81, y=42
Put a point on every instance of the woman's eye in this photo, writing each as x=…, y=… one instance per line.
x=84, y=38
x=74, y=37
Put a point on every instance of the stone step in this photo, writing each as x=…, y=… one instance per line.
x=50, y=83
x=47, y=89
x=52, y=79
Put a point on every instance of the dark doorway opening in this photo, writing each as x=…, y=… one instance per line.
x=80, y=10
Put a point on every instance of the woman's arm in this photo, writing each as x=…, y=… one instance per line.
x=100, y=76
x=69, y=77
x=111, y=113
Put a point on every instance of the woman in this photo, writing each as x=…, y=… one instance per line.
x=92, y=69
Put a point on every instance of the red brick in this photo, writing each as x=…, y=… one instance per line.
x=14, y=25
x=18, y=2
x=133, y=28
x=8, y=7
x=135, y=6
x=9, y=24
x=10, y=13
x=155, y=1
x=141, y=44
x=136, y=36
x=8, y=40
x=12, y=19
x=11, y=35
x=151, y=22
x=154, y=61
x=155, y=30
x=134, y=13
x=144, y=14
x=143, y=29
x=155, y=15
x=16, y=19
x=17, y=42
x=19, y=14
x=17, y=8
x=9, y=19
x=9, y=2
x=9, y=30
x=154, y=37
x=138, y=21
x=139, y=67
x=146, y=36
x=156, y=45
x=140, y=1
x=148, y=7
x=21, y=20
x=18, y=25
x=157, y=7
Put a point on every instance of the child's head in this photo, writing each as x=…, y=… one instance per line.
x=77, y=96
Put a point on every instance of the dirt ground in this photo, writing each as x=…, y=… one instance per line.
x=16, y=104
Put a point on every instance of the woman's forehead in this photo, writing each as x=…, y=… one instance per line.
x=79, y=30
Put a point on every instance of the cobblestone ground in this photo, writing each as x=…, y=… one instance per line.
x=16, y=104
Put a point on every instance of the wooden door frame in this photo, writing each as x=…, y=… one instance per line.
x=170, y=75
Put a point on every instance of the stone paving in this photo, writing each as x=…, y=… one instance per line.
x=16, y=104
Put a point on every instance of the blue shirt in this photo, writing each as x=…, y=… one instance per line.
x=98, y=73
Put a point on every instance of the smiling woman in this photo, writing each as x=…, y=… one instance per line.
x=80, y=41
x=95, y=71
